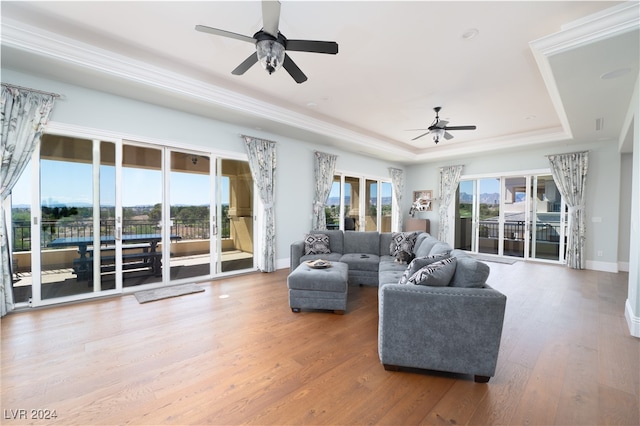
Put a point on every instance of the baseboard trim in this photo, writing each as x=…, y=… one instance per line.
x=633, y=321
x=602, y=266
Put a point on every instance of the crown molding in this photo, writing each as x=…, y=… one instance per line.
x=53, y=46
x=608, y=23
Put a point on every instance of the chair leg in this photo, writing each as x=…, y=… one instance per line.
x=389, y=367
x=295, y=310
x=481, y=379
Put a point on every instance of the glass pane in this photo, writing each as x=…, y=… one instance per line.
x=236, y=190
x=21, y=237
x=371, y=207
x=351, y=203
x=107, y=215
x=464, y=216
x=142, y=215
x=515, y=199
x=66, y=227
x=489, y=215
x=386, y=206
x=190, y=190
x=332, y=205
x=546, y=205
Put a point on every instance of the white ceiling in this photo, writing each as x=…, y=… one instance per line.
x=531, y=76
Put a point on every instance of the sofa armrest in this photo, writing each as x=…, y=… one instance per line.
x=296, y=252
x=440, y=328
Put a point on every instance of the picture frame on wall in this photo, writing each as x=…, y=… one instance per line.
x=423, y=200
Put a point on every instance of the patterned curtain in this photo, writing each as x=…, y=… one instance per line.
x=24, y=114
x=323, y=167
x=262, y=162
x=569, y=172
x=397, y=181
x=449, y=179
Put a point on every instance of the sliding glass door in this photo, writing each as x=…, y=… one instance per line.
x=517, y=216
x=139, y=228
x=97, y=217
x=359, y=204
x=234, y=217
x=77, y=194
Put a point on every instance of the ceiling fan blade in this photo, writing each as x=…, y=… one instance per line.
x=270, y=17
x=460, y=128
x=329, y=47
x=246, y=64
x=418, y=137
x=293, y=69
x=448, y=135
x=224, y=33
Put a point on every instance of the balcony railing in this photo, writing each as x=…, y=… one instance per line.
x=515, y=230
x=50, y=230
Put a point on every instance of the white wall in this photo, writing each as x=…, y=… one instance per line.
x=632, y=306
x=603, y=195
x=294, y=175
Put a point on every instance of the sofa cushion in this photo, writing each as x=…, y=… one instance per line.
x=425, y=247
x=361, y=261
x=439, y=248
x=361, y=242
x=469, y=271
x=402, y=241
x=419, y=263
x=438, y=274
x=421, y=237
x=316, y=244
x=336, y=239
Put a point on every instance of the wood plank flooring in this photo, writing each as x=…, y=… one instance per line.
x=236, y=354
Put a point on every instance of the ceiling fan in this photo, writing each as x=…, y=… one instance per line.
x=439, y=128
x=271, y=44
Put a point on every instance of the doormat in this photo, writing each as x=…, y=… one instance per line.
x=167, y=292
x=495, y=259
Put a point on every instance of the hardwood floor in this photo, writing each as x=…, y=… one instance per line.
x=236, y=354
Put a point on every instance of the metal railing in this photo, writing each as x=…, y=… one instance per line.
x=51, y=230
x=516, y=230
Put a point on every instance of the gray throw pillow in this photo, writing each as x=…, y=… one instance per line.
x=316, y=244
x=402, y=241
x=419, y=263
x=438, y=274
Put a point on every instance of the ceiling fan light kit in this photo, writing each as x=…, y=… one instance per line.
x=270, y=54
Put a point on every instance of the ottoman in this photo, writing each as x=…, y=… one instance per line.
x=325, y=288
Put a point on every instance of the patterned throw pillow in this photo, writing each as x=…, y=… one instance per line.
x=402, y=241
x=316, y=244
x=419, y=263
x=438, y=274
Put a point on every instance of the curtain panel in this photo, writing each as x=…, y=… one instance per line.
x=262, y=162
x=569, y=172
x=323, y=168
x=397, y=182
x=24, y=115
x=449, y=179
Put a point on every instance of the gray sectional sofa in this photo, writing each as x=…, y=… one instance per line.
x=455, y=326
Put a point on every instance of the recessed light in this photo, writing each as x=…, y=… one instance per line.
x=615, y=73
x=470, y=33
x=312, y=105
x=530, y=117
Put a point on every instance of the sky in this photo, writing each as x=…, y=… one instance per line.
x=69, y=183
